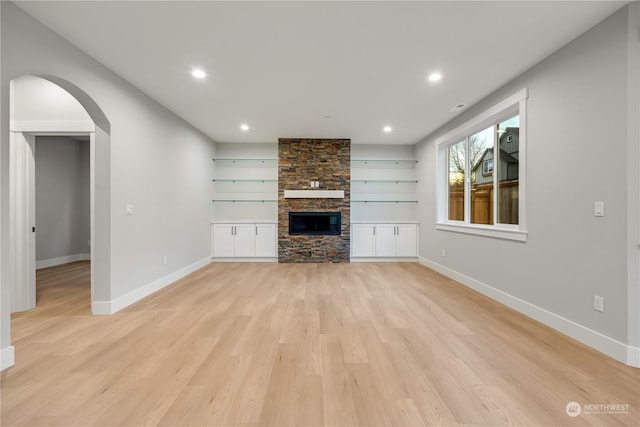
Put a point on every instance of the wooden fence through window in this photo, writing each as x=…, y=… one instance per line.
x=482, y=203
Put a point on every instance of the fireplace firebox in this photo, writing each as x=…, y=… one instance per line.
x=314, y=223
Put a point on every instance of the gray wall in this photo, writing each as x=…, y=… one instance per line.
x=62, y=197
x=145, y=156
x=577, y=142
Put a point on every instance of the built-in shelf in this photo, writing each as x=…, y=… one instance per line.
x=243, y=200
x=265, y=161
x=378, y=163
x=246, y=180
x=384, y=181
x=384, y=201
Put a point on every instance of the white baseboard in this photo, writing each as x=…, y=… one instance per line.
x=7, y=357
x=384, y=259
x=624, y=353
x=113, y=306
x=245, y=259
x=52, y=262
x=100, y=308
x=633, y=356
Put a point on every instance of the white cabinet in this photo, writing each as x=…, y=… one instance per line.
x=384, y=240
x=407, y=240
x=363, y=240
x=222, y=240
x=243, y=240
x=265, y=240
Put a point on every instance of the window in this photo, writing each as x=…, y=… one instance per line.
x=456, y=181
x=487, y=167
x=481, y=173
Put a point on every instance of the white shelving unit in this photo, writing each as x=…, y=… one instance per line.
x=245, y=188
x=383, y=189
x=384, y=203
x=244, y=206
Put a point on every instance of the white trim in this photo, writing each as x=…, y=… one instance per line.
x=633, y=356
x=92, y=213
x=622, y=352
x=384, y=259
x=244, y=259
x=486, y=117
x=51, y=262
x=7, y=357
x=383, y=221
x=514, y=104
x=314, y=194
x=113, y=306
x=489, y=231
x=522, y=168
x=52, y=126
x=21, y=219
x=100, y=308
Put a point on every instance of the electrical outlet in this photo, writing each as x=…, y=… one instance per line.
x=164, y=260
x=598, y=303
x=128, y=209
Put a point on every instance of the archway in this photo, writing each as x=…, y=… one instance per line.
x=22, y=136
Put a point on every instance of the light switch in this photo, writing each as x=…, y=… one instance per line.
x=598, y=208
x=128, y=209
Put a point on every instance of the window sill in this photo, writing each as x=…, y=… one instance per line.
x=487, y=231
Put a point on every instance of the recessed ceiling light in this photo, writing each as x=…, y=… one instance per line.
x=434, y=77
x=244, y=127
x=387, y=129
x=198, y=73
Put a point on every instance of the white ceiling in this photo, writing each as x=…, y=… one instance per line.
x=319, y=69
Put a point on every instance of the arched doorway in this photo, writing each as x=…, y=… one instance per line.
x=22, y=195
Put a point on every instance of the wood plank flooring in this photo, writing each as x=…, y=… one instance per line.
x=237, y=344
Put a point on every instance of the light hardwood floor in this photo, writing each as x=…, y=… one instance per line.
x=300, y=344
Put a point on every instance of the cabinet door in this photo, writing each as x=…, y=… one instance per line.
x=385, y=240
x=222, y=245
x=363, y=240
x=244, y=240
x=266, y=240
x=407, y=240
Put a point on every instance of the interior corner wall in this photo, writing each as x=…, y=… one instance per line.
x=62, y=198
x=576, y=144
x=157, y=162
x=633, y=179
x=5, y=307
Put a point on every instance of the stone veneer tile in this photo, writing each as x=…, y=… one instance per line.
x=299, y=162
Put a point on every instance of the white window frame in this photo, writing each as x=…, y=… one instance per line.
x=514, y=104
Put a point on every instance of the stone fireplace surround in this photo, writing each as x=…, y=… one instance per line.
x=301, y=161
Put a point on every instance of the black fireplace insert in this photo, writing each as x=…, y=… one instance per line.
x=314, y=223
